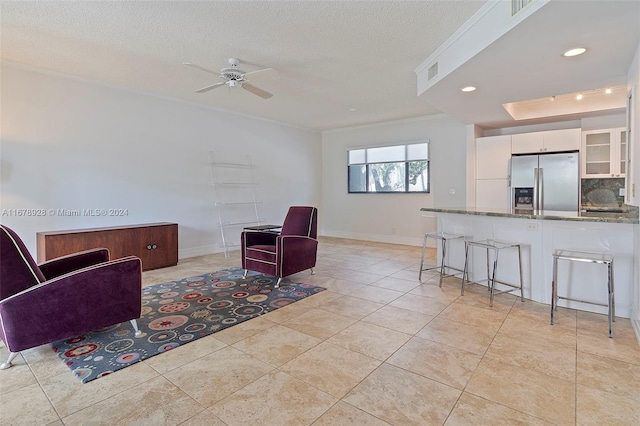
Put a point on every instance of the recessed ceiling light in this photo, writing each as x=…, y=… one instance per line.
x=579, y=97
x=468, y=89
x=607, y=91
x=351, y=109
x=574, y=52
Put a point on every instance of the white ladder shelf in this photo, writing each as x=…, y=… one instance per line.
x=234, y=184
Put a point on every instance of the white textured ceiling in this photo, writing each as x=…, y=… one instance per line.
x=331, y=56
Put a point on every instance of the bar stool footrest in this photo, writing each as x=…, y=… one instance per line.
x=460, y=271
x=606, y=305
x=486, y=280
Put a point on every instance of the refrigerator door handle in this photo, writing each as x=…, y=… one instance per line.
x=541, y=188
x=535, y=189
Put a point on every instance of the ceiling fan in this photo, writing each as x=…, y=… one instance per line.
x=235, y=77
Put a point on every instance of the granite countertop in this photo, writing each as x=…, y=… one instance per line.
x=623, y=214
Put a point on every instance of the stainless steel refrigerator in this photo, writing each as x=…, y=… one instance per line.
x=551, y=181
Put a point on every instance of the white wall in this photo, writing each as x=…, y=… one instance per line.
x=392, y=217
x=73, y=144
x=633, y=85
x=604, y=122
x=473, y=133
x=559, y=125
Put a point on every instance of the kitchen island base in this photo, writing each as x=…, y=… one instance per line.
x=539, y=238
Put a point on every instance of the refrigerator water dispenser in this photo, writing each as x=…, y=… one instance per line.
x=523, y=198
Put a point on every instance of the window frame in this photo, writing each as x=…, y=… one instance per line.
x=405, y=161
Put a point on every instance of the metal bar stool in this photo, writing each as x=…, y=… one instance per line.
x=443, y=237
x=496, y=247
x=584, y=257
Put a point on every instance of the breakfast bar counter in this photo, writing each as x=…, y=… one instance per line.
x=607, y=215
x=540, y=234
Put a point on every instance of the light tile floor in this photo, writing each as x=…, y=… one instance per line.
x=379, y=347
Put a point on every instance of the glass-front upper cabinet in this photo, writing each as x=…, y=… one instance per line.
x=604, y=153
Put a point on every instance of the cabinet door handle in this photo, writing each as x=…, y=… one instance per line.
x=152, y=246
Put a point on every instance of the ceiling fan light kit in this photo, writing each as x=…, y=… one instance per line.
x=235, y=77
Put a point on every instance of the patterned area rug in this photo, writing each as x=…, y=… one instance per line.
x=176, y=313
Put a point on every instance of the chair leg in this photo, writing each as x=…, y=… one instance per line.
x=312, y=271
x=278, y=283
x=520, y=269
x=134, y=323
x=465, y=272
x=493, y=278
x=613, y=299
x=7, y=363
x=554, y=287
x=246, y=271
x=444, y=254
x=610, y=289
x=488, y=275
x=424, y=246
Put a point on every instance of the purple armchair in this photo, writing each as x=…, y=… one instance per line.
x=64, y=297
x=284, y=254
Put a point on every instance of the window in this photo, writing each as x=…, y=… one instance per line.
x=397, y=168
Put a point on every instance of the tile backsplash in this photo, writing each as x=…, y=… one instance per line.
x=602, y=192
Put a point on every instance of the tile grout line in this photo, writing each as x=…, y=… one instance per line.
x=476, y=369
x=412, y=335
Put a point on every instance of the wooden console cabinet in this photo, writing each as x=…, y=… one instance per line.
x=156, y=244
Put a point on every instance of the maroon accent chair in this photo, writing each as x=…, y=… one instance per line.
x=293, y=250
x=64, y=297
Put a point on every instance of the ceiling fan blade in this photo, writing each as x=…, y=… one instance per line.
x=200, y=68
x=261, y=74
x=207, y=88
x=257, y=91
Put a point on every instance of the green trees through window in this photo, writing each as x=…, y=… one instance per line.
x=397, y=168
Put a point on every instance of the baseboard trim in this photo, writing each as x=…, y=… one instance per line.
x=390, y=239
x=185, y=253
x=636, y=327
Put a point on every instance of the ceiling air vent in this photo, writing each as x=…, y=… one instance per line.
x=432, y=71
x=518, y=5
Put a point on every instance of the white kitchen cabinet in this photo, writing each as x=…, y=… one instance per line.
x=623, y=151
x=562, y=140
x=547, y=141
x=526, y=143
x=604, y=153
x=492, y=194
x=492, y=157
